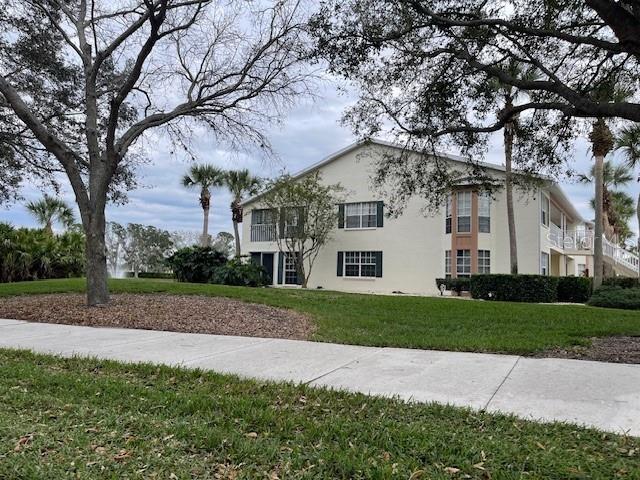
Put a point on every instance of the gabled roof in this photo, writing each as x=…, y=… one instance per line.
x=555, y=188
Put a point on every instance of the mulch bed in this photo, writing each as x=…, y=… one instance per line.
x=176, y=313
x=617, y=349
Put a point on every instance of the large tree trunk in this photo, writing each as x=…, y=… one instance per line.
x=598, y=261
x=205, y=227
x=508, y=152
x=97, y=273
x=48, y=228
x=236, y=234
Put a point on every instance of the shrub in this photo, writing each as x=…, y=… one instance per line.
x=32, y=254
x=623, y=282
x=162, y=275
x=514, y=288
x=236, y=272
x=574, y=289
x=616, y=297
x=196, y=264
x=457, y=285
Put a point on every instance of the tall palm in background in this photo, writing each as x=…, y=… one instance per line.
x=628, y=144
x=240, y=183
x=205, y=177
x=615, y=203
x=602, y=143
x=507, y=96
x=50, y=209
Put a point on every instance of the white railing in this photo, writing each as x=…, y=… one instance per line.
x=582, y=240
x=263, y=233
x=620, y=255
x=570, y=239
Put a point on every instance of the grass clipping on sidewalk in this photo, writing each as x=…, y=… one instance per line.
x=80, y=418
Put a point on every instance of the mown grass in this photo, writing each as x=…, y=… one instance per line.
x=413, y=322
x=83, y=418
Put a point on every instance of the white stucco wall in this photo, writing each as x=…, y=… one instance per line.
x=413, y=244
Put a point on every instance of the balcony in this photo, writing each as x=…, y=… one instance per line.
x=263, y=232
x=575, y=240
x=581, y=242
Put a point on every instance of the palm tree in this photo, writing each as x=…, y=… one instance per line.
x=240, y=183
x=204, y=177
x=602, y=142
x=508, y=95
x=613, y=177
x=50, y=209
x=628, y=143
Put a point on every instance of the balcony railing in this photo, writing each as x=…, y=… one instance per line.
x=570, y=239
x=263, y=233
x=582, y=240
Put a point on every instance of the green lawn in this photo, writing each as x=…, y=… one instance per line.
x=415, y=322
x=82, y=418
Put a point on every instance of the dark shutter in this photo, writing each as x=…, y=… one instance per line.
x=341, y=215
x=340, y=263
x=378, y=264
x=380, y=214
x=255, y=258
x=301, y=211
x=280, y=267
x=299, y=265
x=281, y=222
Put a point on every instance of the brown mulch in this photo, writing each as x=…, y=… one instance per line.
x=176, y=313
x=617, y=349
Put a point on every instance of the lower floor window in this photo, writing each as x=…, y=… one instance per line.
x=290, y=271
x=544, y=263
x=484, y=261
x=463, y=263
x=582, y=269
x=360, y=264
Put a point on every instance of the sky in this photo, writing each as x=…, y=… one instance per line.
x=308, y=133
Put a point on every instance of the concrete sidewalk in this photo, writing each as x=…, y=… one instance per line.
x=604, y=395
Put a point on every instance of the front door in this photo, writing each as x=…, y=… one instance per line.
x=267, y=263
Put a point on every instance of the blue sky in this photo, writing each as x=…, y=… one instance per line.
x=309, y=132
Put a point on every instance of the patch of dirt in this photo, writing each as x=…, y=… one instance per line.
x=617, y=349
x=176, y=313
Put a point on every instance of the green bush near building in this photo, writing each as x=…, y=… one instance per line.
x=574, y=289
x=616, y=297
x=514, y=288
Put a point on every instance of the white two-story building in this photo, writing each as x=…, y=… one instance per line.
x=370, y=252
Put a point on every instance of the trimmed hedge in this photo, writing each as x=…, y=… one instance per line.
x=454, y=284
x=514, y=288
x=622, y=282
x=616, y=297
x=162, y=275
x=574, y=289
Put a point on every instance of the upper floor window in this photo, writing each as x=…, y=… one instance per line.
x=484, y=261
x=447, y=221
x=292, y=221
x=263, y=216
x=544, y=211
x=463, y=211
x=484, y=213
x=463, y=263
x=361, y=215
